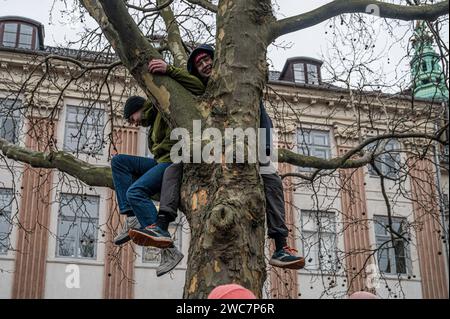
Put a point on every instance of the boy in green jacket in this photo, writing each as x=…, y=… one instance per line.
x=137, y=178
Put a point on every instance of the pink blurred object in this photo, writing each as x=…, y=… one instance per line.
x=363, y=295
x=231, y=291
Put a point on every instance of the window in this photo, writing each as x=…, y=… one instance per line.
x=393, y=257
x=424, y=66
x=10, y=34
x=388, y=162
x=306, y=73
x=151, y=255
x=6, y=197
x=299, y=73
x=319, y=240
x=84, y=130
x=19, y=35
x=313, y=143
x=313, y=74
x=25, y=36
x=9, y=120
x=77, y=226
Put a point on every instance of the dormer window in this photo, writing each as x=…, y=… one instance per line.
x=302, y=70
x=18, y=34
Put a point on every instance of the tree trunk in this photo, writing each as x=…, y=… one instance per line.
x=225, y=204
x=225, y=209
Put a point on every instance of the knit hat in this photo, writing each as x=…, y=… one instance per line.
x=231, y=291
x=132, y=105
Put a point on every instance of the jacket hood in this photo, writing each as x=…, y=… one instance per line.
x=202, y=48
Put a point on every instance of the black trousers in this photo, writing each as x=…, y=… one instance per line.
x=273, y=189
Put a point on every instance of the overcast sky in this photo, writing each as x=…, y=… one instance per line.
x=306, y=42
x=309, y=42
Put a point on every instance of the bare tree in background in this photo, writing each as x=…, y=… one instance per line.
x=224, y=204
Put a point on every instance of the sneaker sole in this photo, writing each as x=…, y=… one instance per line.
x=297, y=264
x=143, y=239
x=122, y=241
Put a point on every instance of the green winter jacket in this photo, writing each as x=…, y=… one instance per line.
x=159, y=142
x=188, y=81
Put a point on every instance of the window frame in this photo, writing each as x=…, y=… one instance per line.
x=86, y=127
x=8, y=192
x=20, y=38
x=385, y=168
x=316, y=72
x=77, y=221
x=34, y=40
x=318, y=233
x=302, y=70
x=15, y=116
x=312, y=147
x=382, y=238
x=424, y=66
x=305, y=70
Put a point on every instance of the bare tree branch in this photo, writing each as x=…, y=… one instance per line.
x=161, y=6
x=338, y=7
x=90, y=174
x=287, y=156
x=388, y=206
x=135, y=51
x=204, y=4
x=175, y=42
x=81, y=64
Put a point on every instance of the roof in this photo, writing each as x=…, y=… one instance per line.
x=405, y=95
x=19, y=18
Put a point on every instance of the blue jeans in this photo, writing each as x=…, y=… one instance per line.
x=136, y=179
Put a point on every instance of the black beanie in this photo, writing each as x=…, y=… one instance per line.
x=132, y=105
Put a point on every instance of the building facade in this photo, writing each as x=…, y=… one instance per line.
x=56, y=233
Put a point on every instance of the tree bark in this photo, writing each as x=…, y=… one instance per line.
x=225, y=204
x=225, y=210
